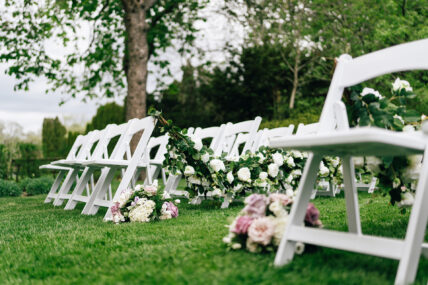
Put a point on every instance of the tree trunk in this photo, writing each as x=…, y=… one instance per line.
x=135, y=63
x=295, y=79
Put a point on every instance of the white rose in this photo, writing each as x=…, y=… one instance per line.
x=230, y=177
x=280, y=224
x=205, y=182
x=358, y=161
x=289, y=179
x=189, y=170
x=296, y=154
x=263, y=175
x=244, y=174
x=194, y=180
x=177, y=201
x=401, y=84
x=290, y=161
x=323, y=170
x=216, y=192
x=290, y=193
x=273, y=170
x=335, y=161
x=296, y=172
x=367, y=91
x=237, y=187
x=217, y=165
x=197, y=141
x=261, y=157
x=236, y=246
x=205, y=157
x=407, y=200
x=278, y=158
x=373, y=163
x=277, y=209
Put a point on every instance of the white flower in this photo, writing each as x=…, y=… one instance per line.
x=236, y=246
x=194, y=180
x=278, y=158
x=244, y=174
x=261, y=157
x=277, y=209
x=205, y=182
x=197, y=141
x=290, y=161
x=230, y=177
x=263, y=175
x=407, y=200
x=373, y=164
x=228, y=239
x=300, y=248
x=142, y=212
x=280, y=224
x=367, y=91
x=399, y=118
x=290, y=193
x=358, y=161
x=296, y=172
x=166, y=195
x=401, y=84
x=323, y=170
x=216, y=192
x=189, y=170
x=289, y=179
x=273, y=170
x=335, y=161
x=232, y=158
x=139, y=187
x=408, y=128
x=217, y=165
x=296, y=154
x=177, y=201
x=173, y=154
x=117, y=218
x=124, y=197
x=237, y=187
x=205, y=157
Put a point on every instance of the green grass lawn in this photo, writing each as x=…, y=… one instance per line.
x=43, y=244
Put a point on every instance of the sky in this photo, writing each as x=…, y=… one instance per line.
x=29, y=108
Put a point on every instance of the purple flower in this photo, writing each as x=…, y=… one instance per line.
x=312, y=216
x=255, y=205
x=242, y=224
x=136, y=199
x=172, y=208
x=115, y=209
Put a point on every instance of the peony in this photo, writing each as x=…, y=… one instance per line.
x=255, y=205
x=217, y=165
x=280, y=224
x=278, y=159
x=273, y=170
x=194, y=180
x=172, y=208
x=401, y=84
x=407, y=200
x=281, y=198
x=290, y=161
x=205, y=157
x=373, y=164
x=277, y=209
x=189, y=170
x=324, y=172
x=244, y=174
x=312, y=216
x=263, y=175
x=261, y=231
x=367, y=91
x=197, y=142
x=242, y=224
x=230, y=177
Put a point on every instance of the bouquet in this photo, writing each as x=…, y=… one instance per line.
x=260, y=225
x=143, y=204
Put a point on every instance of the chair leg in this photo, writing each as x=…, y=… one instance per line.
x=172, y=183
x=65, y=187
x=107, y=175
x=351, y=196
x=55, y=186
x=415, y=234
x=80, y=187
x=286, y=248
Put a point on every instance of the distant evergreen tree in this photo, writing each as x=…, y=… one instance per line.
x=54, y=142
x=110, y=113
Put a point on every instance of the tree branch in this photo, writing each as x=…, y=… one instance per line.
x=159, y=16
x=149, y=4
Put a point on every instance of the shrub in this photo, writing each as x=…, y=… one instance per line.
x=9, y=188
x=305, y=118
x=40, y=185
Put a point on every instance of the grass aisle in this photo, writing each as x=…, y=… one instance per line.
x=43, y=244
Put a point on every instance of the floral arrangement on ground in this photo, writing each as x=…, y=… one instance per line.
x=259, y=227
x=143, y=204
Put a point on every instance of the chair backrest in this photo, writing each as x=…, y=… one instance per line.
x=308, y=129
x=267, y=134
x=232, y=131
x=80, y=140
x=349, y=72
x=215, y=133
x=85, y=150
x=161, y=142
x=111, y=131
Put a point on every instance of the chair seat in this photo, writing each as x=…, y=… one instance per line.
x=69, y=163
x=53, y=167
x=111, y=163
x=363, y=141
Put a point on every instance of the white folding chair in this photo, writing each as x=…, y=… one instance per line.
x=335, y=138
x=155, y=163
x=74, y=164
x=100, y=152
x=121, y=158
x=269, y=134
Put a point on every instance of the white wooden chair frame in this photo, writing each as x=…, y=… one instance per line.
x=155, y=163
x=361, y=142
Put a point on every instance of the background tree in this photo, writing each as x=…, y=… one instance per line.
x=54, y=142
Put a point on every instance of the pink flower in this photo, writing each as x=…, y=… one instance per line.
x=261, y=231
x=312, y=216
x=281, y=198
x=255, y=205
x=150, y=190
x=242, y=224
x=172, y=208
x=115, y=209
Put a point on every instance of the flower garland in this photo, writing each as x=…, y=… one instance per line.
x=143, y=204
x=260, y=225
x=397, y=175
